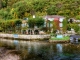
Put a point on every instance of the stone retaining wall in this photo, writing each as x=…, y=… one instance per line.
x=59, y=41
x=16, y=36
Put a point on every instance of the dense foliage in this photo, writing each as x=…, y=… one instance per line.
x=10, y=25
x=38, y=22
x=19, y=9
x=26, y=8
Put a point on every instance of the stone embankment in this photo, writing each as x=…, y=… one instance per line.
x=59, y=41
x=26, y=37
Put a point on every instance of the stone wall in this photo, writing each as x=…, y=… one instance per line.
x=16, y=36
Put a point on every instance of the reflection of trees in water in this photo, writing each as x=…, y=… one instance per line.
x=40, y=52
x=71, y=49
x=43, y=51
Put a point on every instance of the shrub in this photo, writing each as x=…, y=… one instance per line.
x=74, y=26
x=7, y=25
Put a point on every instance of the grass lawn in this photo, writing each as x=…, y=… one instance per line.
x=63, y=39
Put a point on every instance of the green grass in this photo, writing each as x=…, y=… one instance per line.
x=64, y=38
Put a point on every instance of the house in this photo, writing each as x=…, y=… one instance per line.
x=54, y=19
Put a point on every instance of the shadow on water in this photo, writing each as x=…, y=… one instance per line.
x=35, y=50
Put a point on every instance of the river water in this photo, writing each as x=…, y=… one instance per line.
x=38, y=50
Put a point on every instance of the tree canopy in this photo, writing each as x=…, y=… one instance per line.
x=38, y=21
x=26, y=8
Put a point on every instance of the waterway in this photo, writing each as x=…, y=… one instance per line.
x=38, y=50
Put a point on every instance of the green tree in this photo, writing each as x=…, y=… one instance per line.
x=64, y=25
x=52, y=10
x=5, y=13
x=31, y=23
x=39, y=22
x=20, y=8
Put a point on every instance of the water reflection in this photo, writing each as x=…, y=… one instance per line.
x=59, y=48
x=16, y=44
x=34, y=50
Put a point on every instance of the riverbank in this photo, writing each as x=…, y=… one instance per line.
x=34, y=37
x=24, y=37
x=59, y=40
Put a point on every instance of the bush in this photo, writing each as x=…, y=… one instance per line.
x=9, y=25
x=74, y=26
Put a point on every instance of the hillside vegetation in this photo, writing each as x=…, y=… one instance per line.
x=14, y=9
